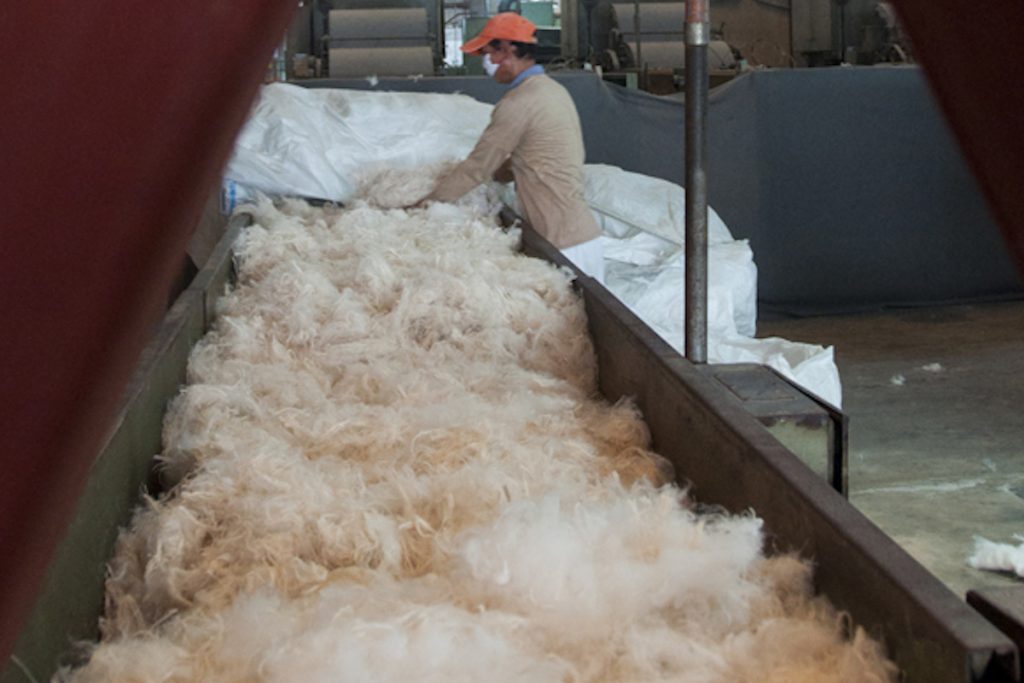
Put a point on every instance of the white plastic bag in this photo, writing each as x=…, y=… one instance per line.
x=319, y=142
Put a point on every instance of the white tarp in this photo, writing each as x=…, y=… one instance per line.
x=321, y=143
x=647, y=273
x=317, y=143
x=629, y=202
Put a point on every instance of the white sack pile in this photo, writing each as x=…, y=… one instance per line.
x=324, y=142
x=999, y=557
x=318, y=142
x=392, y=465
x=644, y=227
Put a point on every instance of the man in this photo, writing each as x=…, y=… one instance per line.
x=534, y=138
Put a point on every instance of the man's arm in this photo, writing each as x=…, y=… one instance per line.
x=504, y=172
x=492, y=150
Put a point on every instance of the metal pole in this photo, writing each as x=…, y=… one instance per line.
x=842, y=30
x=636, y=35
x=697, y=38
x=442, y=34
x=570, y=30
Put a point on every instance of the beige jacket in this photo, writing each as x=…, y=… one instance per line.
x=535, y=133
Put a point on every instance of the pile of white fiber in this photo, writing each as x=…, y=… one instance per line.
x=999, y=557
x=392, y=464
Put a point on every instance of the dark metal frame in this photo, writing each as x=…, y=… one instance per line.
x=838, y=476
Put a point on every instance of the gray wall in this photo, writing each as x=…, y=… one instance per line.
x=853, y=192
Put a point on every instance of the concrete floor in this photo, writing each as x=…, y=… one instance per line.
x=937, y=458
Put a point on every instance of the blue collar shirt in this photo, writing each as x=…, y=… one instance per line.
x=534, y=70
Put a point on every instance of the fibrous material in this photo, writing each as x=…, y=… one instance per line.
x=390, y=463
x=321, y=142
x=1000, y=557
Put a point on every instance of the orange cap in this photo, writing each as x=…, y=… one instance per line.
x=505, y=26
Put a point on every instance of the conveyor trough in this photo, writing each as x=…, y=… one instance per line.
x=720, y=449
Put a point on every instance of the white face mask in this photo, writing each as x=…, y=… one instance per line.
x=490, y=67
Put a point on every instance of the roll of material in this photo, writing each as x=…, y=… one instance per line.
x=720, y=55
x=381, y=61
x=378, y=24
x=662, y=54
x=672, y=54
x=377, y=42
x=655, y=17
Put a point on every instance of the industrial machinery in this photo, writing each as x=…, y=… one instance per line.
x=893, y=45
x=651, y=35
x=644, y=44
x=384, y=42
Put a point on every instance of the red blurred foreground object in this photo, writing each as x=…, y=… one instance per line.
x=116, y=121
x=970, y=53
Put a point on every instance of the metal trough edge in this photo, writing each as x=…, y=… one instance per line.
x=728, y=458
